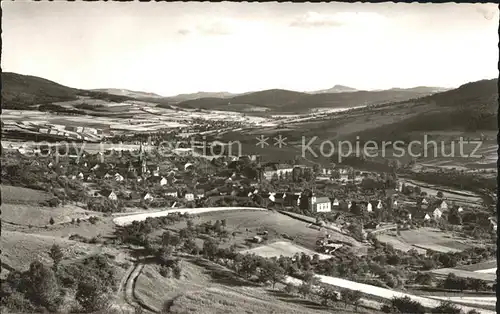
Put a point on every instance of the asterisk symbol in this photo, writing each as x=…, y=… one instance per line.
x=262, y=141
x=279, y=141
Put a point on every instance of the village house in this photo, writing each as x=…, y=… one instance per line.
x=147, y=196
x=200, y=193
x=493, y=222
x=320, y=204
x=118, y=177
x=443, y=205
x=109, y=194
x=369, y=207
x=171, y=192
x=189, y=196
x=335, y=203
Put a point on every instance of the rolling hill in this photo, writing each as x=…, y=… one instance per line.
x=280, y=100
x=26, y=92
x=470, y=108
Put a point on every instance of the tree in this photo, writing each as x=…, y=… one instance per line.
x=354, y=296
x=407, y=305
x=42, y=287
x=271, y=271
x=56, y=255
x=290, y=288
x=424, y=279
x=477, y=284
x=177, y=270
x=439, y=194
x=305, y=289
x=328, y=294
x=447, y=308
x=210, y=248
x=51, y=221
x=92, y=294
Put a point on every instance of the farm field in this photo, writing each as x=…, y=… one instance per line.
x=490, y=277
x=448, y=193
x=425, y=238
x=488, y=303
x=479, y=266
x=287, y=249
x=274, y=223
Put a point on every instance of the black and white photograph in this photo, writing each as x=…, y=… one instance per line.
x=247, y=158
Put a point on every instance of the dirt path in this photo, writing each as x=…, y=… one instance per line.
x=129, y=290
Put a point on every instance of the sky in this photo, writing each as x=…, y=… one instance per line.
x=174, y=48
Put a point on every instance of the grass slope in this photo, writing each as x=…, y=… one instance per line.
x=25, y=92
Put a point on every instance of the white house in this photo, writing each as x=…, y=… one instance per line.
x=80, y=176
x=320, y=204
x=460, y=209
x=118, y=177
x=335, y=202
x=171, y=192
x=107, y=176
x=163, y=181
x=379, y=204
x=395, y=203
x=110, y=195
x=369, y=207
x=443, y=206
x=349, y=205
x=189, y=196
x=147, y=196
x=437, y=213
x=425, y=202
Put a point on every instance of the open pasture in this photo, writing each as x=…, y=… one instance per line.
x=282, y=248
x=203, y=288
x=39, y=216
x=248, y=223
x=19, y=249
x=19, y=195
x=423, y=239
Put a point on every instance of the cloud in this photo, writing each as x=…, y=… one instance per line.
x=486, y=12
x=314, y=19
x=216, y=28
x=183, y=32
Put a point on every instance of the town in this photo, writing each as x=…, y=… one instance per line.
x=249, y=158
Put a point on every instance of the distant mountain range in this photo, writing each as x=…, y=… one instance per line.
x=335, y=89
x=281, y=100
x=25, y=92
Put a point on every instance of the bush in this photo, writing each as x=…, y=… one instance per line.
x=407, y=305
x=447, y=308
